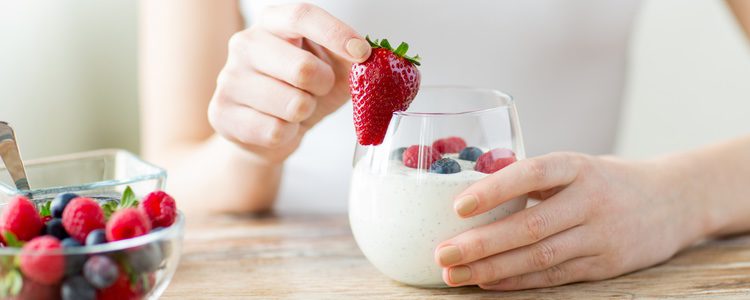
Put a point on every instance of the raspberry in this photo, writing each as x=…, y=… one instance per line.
x=451, y=144
x=21, y=218
x=42, y=261
x=494, y=160
x=81, y=216
x=160, y=208
x=123, y=290
x=411, y=156
x=127, y=223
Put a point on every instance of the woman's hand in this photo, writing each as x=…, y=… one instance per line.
x=599, y=217
x=282, y=76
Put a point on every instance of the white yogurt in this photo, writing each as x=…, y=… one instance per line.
x=398, y=217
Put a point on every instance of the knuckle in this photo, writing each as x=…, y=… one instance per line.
x=555, y=275
x=237, y=42
x=536, y=226
x=213, y=115
x=301, y=106
x=484, y=272
x=275, y=133
x=304, y=71
x=542, y=256
x=536, y=170
x=476, y=246
x=299, y=11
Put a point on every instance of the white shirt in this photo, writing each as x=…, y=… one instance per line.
x=563, y=61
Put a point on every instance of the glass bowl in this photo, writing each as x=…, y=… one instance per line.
x=401, y=199
x=146, y=263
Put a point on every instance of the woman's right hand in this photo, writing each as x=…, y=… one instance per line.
x=282, y=76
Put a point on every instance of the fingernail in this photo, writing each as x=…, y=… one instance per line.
x=357, y=48
x=466, y=205
x=449, y=255
x=460, y=274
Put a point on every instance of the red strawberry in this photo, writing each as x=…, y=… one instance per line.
x=451, y=144
x=494, y=160
x=411, y=156
x=160, y=208
x=127, y=223
x=20, y=218
x=385, y=83
x=41, y=260
x=32, y=290
x=81, y=216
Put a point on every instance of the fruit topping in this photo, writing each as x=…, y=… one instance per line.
x=445, y=166
x=495, y=160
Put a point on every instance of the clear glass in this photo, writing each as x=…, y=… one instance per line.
x=399, y=214
x=101, y=175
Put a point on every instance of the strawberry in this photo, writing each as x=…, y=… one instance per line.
x=20, y=218
x=451, y=144
x=160, y=208
x=429, y=156
x=127, y=223
x=384, y=83
x=41, y=260
x=494, y=160
x=81, y=216
x=123, y=289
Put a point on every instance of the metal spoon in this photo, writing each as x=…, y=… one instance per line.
x=12, y=157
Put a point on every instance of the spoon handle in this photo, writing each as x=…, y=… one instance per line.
x=12, y=157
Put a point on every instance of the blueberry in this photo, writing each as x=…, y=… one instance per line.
x=445, y=166
x=470, y=154
x=398, y=154
x=147, y=258
x=60, y=202
x=74, y=264
x=101, y=271
x=96, y=237
x=55, y=228
x=70, y=242
x=77, y=288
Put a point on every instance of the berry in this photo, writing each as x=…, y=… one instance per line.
x=385, y=83
x=127, y=223
x=494, y=160
x=55, y=228
x=470, y=153
x=445, y=166
x=147, y=258
x=398, y=154
x=77, y=288
x=32, y=290
x=101, y=271
x=121, y=290
x=160, y=208
x=20, y=218
x=70, y=242
x=41, y=260
x=60, y=202
x=81, y=216
x=411, y=156
x=96, y=237
x=451, y=144
x=46, y=219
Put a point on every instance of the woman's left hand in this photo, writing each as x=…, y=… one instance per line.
x=599, y=217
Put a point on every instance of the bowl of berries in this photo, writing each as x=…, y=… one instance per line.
x=95, y=225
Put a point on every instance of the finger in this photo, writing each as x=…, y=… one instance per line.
x=276, y=58
x=574, y=270
x=539, y=256
x=267, y=95
x=305, y=20
x=534, y=174
x=244, y=125
x=517, y=230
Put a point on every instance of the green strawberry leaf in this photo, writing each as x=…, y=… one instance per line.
x=44, y=209
x=128, y=199
x=14, y=282
x=385, y=44
x=109, y=208
x=401, y=50
x=11, y=240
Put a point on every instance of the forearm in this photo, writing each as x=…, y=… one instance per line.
x=217, y=176
x=717, y=179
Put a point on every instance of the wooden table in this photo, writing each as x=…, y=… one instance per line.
x=316, y=257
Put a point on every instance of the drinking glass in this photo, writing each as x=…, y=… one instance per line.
x=399, y=214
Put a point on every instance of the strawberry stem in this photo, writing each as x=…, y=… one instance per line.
x=400, y=50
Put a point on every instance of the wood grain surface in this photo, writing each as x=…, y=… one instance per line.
x=315, y=257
